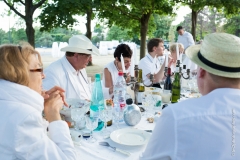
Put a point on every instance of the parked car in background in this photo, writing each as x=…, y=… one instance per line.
x=166, y=45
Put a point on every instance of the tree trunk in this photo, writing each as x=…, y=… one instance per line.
x=29, y=22
x=143, y=33
x=88, y=24
x=194, y=24
x=30, y=31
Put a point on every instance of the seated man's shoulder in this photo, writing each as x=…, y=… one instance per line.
x=142, y=62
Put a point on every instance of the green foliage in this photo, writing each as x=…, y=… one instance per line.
x=233, y=25
x=163, y=24
x=208, y=21
x=135, y=15
x=4, y=37
x=116, y=33
x=18, y=35
x=60, y=13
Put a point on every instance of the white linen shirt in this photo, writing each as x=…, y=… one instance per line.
x=186, y=39
x=75, y=83
x=23, y=130
x=149, y=64
x=205, y=128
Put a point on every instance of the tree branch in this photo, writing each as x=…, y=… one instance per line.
x=12, y=8
x=38, y=5
x=22, y=2
x=125, y=13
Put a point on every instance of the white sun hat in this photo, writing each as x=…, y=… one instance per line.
x=218, y=54
x=80, y=44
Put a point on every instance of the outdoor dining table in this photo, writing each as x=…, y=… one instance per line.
x=94, y=151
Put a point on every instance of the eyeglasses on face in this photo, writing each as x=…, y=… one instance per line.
x=37, y=70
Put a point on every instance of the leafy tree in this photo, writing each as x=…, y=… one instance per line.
x=60, y=14
x=116, y=33
x=18, y=35
x=30, y=7
x=208, y=20
x=233, y=25
x=3, y=37
x=163, y=24
x=134, y=14
x=198, y=5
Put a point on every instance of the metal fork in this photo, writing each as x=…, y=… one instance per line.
x=114, y=148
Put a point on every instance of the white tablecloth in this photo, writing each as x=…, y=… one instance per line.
x=94, y=151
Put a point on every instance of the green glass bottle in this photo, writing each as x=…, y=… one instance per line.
x=97, y=101
x=141, y=87
x=176, y=86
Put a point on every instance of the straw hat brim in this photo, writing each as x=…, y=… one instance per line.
x=192, y=53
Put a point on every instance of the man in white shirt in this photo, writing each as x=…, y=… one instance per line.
x=150, y=64
x=69, y=71
x=184, y=37
x=205, y=128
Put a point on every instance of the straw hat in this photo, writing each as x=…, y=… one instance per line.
x=218, y=54
x=80, y=44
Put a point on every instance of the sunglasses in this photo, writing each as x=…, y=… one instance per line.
x=37, y=70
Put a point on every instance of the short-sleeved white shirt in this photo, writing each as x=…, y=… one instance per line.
x=148, y=64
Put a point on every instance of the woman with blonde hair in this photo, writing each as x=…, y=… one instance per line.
x=22, y=127
x=173, y=55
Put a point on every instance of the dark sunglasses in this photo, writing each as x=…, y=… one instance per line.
x=37, y=70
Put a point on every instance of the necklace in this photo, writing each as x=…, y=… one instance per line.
x=115, y=63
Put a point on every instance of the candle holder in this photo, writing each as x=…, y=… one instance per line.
x=134, y=82
x=180, y=71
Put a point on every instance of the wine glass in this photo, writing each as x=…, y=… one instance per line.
x=91, y=123
x=105, y=115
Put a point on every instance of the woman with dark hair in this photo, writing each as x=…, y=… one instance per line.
x=111, y=70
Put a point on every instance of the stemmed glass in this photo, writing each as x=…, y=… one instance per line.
x=105, y=115
x=91, y=123
x=117, y=115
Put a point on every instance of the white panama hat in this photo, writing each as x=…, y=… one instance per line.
x=81, y=44
x=218, y=54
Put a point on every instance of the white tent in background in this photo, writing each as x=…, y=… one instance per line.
x=103, y=47
x=55, y=49
x=61, y=45
x=133, y=47
x=115, y=43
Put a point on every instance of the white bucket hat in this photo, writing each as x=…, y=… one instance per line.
x=218, y=54
x=80, y=44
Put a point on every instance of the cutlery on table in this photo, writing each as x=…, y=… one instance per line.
x=114, y=148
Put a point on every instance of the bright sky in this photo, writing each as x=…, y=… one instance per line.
x=10, y=21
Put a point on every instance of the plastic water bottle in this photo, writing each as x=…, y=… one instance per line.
x=97, y=101
x=119, y=92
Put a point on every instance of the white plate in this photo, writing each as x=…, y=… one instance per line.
x=130, y=136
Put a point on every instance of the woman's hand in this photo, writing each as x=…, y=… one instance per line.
x=53, y=102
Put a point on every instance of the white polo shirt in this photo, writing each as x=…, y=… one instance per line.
x=149, y=64
x=186, y=39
